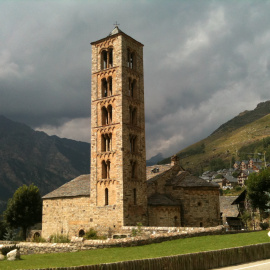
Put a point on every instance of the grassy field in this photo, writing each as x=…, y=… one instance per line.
x=180, y=246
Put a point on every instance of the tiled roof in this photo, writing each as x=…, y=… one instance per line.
x=226, y=206
x=79, y=186
x=161, y=199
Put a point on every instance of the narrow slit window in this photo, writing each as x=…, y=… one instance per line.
x=106, y=196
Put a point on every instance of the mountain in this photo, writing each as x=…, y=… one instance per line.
x=154, y=160
x=230, y=141
x=28, y=156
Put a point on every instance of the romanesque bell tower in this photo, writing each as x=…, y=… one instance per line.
x=118, y=165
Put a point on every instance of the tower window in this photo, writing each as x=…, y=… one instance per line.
x=110, y=57
x=106, y=115
x=106, y=196
x=104, y=88
x=106, y=165
x=135, y=196
x=132, y=143
x=107, y=58
x=132, y=115
x=110, y=86
x=133, y=169
x=106, y=142
x=131, y=56
x=132, y=88
x=104, y=60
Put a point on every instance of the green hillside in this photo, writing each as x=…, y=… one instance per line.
x=242, y=137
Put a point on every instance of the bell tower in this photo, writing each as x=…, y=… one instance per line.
x=118, y=164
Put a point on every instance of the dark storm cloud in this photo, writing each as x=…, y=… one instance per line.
x=204, y=62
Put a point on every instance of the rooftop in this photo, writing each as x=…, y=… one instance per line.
x=79, y=186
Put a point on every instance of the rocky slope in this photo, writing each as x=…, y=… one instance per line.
x=28, y=156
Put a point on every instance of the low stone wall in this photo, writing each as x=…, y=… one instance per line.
x=194, y=261
x=149, y=235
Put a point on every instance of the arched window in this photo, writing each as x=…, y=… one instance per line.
x=133, y=89
x=134, y=196
x=131, y=57
x=133, y=169
x=132, y=143
x=81, y=233
x=109, y=114
x=104, y=59
x=110, y=86
x=201, y=224
x=104, y=88
x=104, y=169
x=106, y=196
x=106, y=115
x=106, y=142
x=128, y=58
x=36, y=235
x=110, y=52
x=132, y=115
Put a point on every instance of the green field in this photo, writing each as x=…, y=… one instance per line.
x=180, y=246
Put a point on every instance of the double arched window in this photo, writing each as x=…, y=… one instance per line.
x=132, y=115
x=133, y=165
x=131, y=59
x=132, y=91
x=106, y=87
x=133, y=143
x=106, y=165
x=106, y=58
x=106, y=115
x=106, y=142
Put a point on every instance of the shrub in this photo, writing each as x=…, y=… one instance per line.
x=38, y=239
x=93, y=234
x=6, y=249
x=264, y=225
x=59, y=238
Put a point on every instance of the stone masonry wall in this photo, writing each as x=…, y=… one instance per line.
x=65, y=216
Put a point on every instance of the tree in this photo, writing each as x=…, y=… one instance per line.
x=2, y=228
x=257, y=185
x=24, y=209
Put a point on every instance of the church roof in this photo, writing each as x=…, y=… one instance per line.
x=115, y=31
x=79, y=186
x=184, y=179
x=161, y=200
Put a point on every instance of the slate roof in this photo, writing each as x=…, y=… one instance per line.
x=115, y=31
x=184, y=179
x=226, y=206
x=79, y=186
x=161, y=200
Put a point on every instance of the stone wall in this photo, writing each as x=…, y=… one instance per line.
x=200, y=207
x=147, y=236
x=65, y=216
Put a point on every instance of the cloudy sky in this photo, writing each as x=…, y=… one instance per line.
x=204, y=62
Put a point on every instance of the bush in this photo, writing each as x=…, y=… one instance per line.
x=38, y=239
x=93, y=234
x=59, y=238
x=5, y=250
x=264, y=225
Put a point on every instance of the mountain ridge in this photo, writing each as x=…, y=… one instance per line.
x=245, y=128
x=28, y=156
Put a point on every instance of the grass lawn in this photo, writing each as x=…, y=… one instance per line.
x=180, y=246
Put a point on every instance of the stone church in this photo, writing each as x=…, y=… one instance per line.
x=121, y=191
